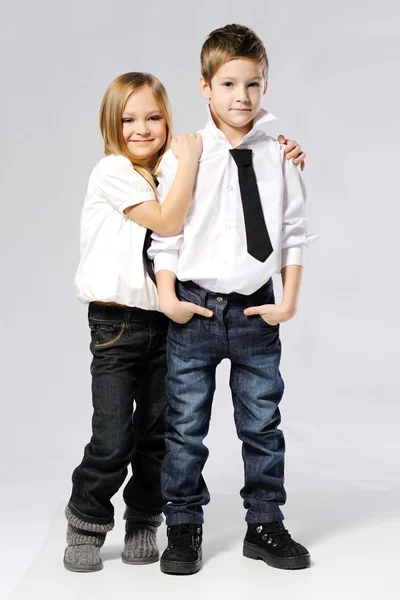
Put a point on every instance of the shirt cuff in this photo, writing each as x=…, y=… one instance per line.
x=164, y=261
x=292, y=256
x=136, y=198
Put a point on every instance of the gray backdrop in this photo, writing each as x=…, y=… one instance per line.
x=334, y=84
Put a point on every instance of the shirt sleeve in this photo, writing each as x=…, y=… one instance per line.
x=295, y=223
x=117, y=182
x=164, y=251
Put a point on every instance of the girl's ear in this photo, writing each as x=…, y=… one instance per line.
x=205, y=88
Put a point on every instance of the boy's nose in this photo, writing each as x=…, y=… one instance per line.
x=243, y=95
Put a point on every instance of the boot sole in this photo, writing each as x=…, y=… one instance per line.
x=140, y=561
x=172, y=567
x=82, y=569
x=292, y=562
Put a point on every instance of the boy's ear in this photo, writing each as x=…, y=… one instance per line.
x=265, y=86
x=205, y=88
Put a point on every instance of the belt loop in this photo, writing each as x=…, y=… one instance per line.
x=204, y=296
x=248, y=301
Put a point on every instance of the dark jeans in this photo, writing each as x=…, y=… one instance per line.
x=129, y=365
x=193, y=352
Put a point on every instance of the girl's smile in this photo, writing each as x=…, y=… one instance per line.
x=143, y=126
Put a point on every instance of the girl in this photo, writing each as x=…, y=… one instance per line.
x=128, y=332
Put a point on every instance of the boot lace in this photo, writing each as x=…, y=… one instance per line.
x=273, y=533
x=184, y=535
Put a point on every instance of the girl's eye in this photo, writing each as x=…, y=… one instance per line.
x=155, y=118
x=254, y=84
x=127, y=120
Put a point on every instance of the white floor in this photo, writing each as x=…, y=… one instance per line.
x=351, y=528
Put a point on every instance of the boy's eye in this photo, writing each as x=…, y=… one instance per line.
x=227, y=84
x=254, y=84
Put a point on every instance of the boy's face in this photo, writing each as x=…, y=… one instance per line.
x=236, y=93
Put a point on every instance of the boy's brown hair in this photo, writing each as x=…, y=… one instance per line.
x=230, y=42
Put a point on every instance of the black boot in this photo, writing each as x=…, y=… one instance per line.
x=273, y=544
x=183, y=554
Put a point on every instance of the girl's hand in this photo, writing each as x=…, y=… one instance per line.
x=293, y=151
x=272, y=313
x=182, y=312
x=187, y=146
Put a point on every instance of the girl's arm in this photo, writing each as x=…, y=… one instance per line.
x=168, y=218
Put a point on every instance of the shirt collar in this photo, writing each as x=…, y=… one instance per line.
x=259, y=125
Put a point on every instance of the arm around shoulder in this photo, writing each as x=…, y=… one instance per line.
x=167, y=217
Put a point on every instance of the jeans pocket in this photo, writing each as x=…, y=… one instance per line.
x=185, y=296
x=264, y=322
x=105, y=333
x=175, y=324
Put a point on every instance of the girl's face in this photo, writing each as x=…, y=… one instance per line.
x=143, y=126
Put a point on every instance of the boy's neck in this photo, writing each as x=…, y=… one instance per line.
x=234, y=135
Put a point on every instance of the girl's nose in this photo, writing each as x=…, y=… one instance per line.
x=142, y=128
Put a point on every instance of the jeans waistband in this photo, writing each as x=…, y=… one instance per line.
x=102, y=312
x=256, y=298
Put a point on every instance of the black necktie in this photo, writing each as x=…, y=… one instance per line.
x=258, y=241
x=148, y=264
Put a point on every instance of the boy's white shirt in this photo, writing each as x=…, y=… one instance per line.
x=211, y=248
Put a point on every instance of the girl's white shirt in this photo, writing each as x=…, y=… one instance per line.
x=111, y=267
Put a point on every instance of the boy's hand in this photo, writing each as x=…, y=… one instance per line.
x=293, y=151
x=272, y=313
x=182, y=312
x=187, y=146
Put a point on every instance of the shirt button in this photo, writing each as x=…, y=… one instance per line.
x=219, y=300
x=231, y=188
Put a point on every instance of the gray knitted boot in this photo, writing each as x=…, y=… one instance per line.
x=82, y=555
x=140, y=537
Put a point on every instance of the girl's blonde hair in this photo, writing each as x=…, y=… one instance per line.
x=111, y=111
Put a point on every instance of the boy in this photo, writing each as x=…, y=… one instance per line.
x=246, y=221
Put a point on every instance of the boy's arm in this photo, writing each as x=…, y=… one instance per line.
x=279, y=313
x=164, y=251
x=180, y=312
x=294, y=242
x=295, y=238
x=291, y=279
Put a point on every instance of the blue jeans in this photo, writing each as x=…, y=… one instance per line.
x=128, y=367
x=193, y=352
